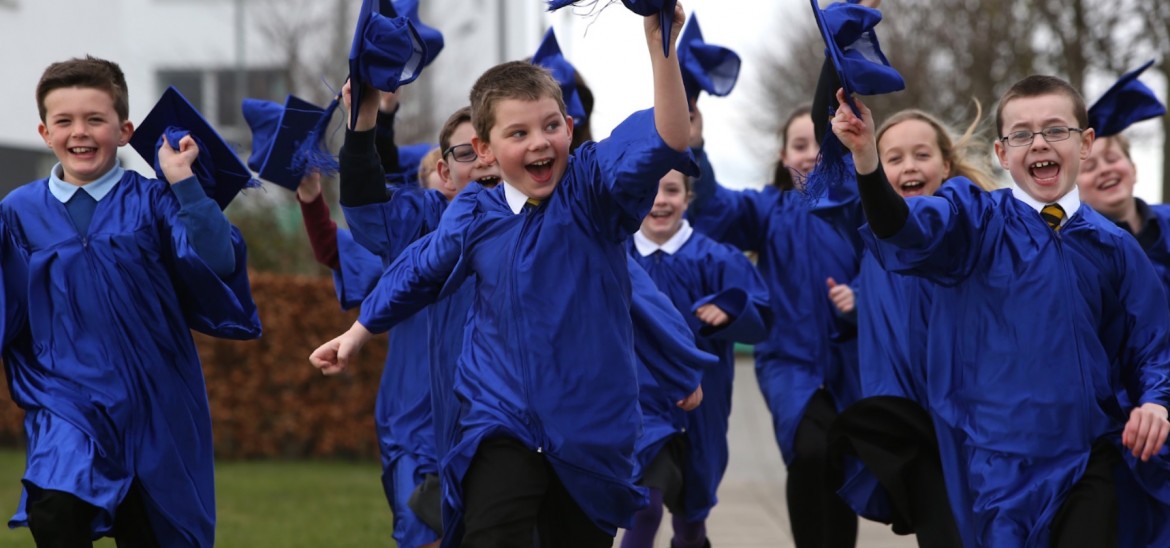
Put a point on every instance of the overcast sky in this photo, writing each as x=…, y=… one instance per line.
x=609, y=49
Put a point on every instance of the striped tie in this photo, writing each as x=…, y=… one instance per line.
x=1053, y=214
x=530, y=204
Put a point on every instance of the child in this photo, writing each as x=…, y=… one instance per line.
x=1057, y=307
x=119, y=269
x=727, y=301
x=428, y=174
x=917, y=154
x=549, y=416
x=807, y=365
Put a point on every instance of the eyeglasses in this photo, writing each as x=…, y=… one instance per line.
x=1050, y=134
x=461, y=153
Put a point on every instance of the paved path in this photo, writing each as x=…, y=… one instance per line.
x=752, y=512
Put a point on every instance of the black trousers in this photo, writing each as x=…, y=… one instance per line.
x=61, y=520
x=1088, y=516
x=895, y=439
x=511, y=493
x=820, y=519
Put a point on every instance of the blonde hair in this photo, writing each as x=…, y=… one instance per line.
x=957, y=153
x=428, y=165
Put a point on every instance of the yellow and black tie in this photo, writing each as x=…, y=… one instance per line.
x=1053, y=214
x=530, y=204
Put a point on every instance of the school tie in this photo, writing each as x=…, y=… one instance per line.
x=1053, y=214
x=529, y=205
x=80, y=207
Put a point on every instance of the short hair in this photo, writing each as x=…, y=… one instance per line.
x=89, y=72
x=453, y=122
x=428, y=165
x=957, y=153
x=512, y=80
x=1122, y=144
x=1037, y=85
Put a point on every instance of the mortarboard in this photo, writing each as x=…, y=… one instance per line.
x=549, y=56
x=431, y=37
x=1126, y=103
x=387, y=51
x=409, y=158
x=220, y=171
x=645, y=8
x=852, y=46
x=277, y=135
x=705, y=67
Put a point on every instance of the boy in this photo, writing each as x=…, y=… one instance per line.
x=1044, y=311
x=119, y=269
x=546, y=378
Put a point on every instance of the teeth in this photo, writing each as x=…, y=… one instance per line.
x=912, y=184
x=542, y=163
x=1042, y=164
x=79, y=150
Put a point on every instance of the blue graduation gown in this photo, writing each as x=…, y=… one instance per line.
x=1158, y=250
x=1033, y=333
x=704, y=271
x=670, y=365
x=808, y=346
x=403, y=416
x=107, y=370
x=551, y=284
x=359, y=271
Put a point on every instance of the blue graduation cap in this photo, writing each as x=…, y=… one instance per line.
x=431, y=37
x=1126, y=103
x=220, y=171
x=409, y=158
x=705, y=67
x=387, y=51
x=664, y=9
x=549, y=56
x=852, y=46
x=277, y=135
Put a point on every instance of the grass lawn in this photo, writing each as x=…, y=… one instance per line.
x=259, y=504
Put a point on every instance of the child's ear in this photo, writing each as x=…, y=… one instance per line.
x=569, y=125
x=1087, y=138
x=483, y=149
x=44, y=132
x=125, y=132
x=1001, y=153
x=443, y=170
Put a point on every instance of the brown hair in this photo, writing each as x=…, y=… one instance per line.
x=781, y=175
x=511, y=80
x=956, y=153
x=428, y=165
x=453, y=122
x=1036, y=86
x=90, y=72
x=1122, y=143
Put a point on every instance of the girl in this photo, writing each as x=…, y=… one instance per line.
x=725, y=301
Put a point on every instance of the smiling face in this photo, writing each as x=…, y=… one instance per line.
x=912, y=159
x=456, y=169
x=1107, y=179
x=1045, y=171
x=529, y=141
x=665, y=218
x=800, y=145
x=84, y=131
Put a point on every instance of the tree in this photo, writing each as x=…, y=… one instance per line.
x=951, y=52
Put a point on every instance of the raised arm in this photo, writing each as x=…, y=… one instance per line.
x=670, y=99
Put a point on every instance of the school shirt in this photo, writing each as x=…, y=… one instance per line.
x=548, y=359
x=1032, y=335
x=808, y=346
x=104, y=365
x=693, y=270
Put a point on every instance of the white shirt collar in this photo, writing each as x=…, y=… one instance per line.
x=516, y=199
x=647, y=247
x=97, y=189
x=1070, y=202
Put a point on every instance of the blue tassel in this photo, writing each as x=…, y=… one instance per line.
x=834, y=168
x=313, y=153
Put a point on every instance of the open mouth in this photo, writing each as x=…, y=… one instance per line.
x=540, y=170
x=912, y=186
x=1044, y=171
x=1109, y=183
x=81, y=150
x=489, y=181
x=661, y=214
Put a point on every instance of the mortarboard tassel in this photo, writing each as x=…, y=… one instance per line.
x=312, y=153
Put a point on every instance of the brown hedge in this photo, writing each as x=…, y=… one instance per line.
x=266, y=400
